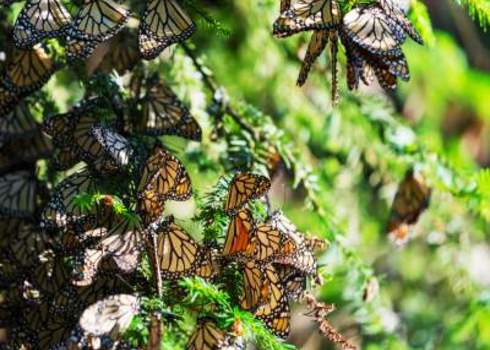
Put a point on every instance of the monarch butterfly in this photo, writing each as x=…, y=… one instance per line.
x=165, y=175
x=411, y=199
x=24, y=151
x=64, y=158
x=207, y=336
x=164, y=114
x=63, y=211
x=292, y=280
x=96, y=22
x=292, y=240
x=318, y=42
x=150, y=205
x=179, y=255
x=8, y=99
x=18, y=194
x=116, y=149
x=51, y=276
x=243, y=188
x=284, y=5
x=28, y=245
x=109, y=316
x=40, y=19
x=373, y=30
x=307, y=15
x=275, y=311
x=252, y=285
x=164, y=23
x=391, y=8
x=315, y=244
x=123, y=54
x=265, y=242
x=17, y=124
x=28, y=70
x=239, y=233
x=122, y=244
x=149, y=46
x=54, y=333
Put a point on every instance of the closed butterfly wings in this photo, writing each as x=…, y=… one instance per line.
x=178, y=253
x=97, y=21
x=164, y=23
x=162, y=113
x=410, y=201
x=122, y=244
x=40, y=19
x=28, y=70
x=306, y=15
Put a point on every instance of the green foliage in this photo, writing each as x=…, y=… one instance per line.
x=478, y=9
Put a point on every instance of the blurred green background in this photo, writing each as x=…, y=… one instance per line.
x=433, y=293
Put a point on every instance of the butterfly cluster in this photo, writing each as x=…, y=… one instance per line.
x=83, y=193
x=276, y=260
x=30, y=62
x=372, y=35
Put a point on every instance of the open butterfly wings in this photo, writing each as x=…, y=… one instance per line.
x=164, y=23
x=40, y=19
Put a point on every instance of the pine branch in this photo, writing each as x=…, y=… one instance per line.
x=478, y=9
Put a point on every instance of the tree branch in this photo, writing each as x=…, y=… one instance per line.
x=213, y=87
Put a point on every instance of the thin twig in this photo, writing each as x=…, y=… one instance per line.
x=213, y=87
x=156, y=326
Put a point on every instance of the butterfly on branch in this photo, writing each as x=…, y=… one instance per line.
x=162, y=113
x=97, y=21
x=411, y=200
x=27, y=71
x=40, y=19
x=164, y=23
x=243, y=188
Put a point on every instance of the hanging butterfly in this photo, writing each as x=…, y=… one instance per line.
x=178, y=254
x=252, y=285
x=284, y=5
x=28, y=70
x=239, y=233
x=22, y=153
x=265, y=242
x=64, y=212
x=64, y=158
x=373, y=30
x=40, y=19
x=164, y=23
x=306, y=15
x=17, y=124
x=207, y=336
x=162, y=113
x=396, y=13
x=122, y=243
x=411, y=199
x=18, y=194
x=294, y=282
x=293, y=250
x=243, y=188
x=110, y=316
x=97, y=21
x=8, y=100
x=123, y=54
x=28, y=245
x=275, y=311
x=318, y=42
x=165, y=175
x=113, y=149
